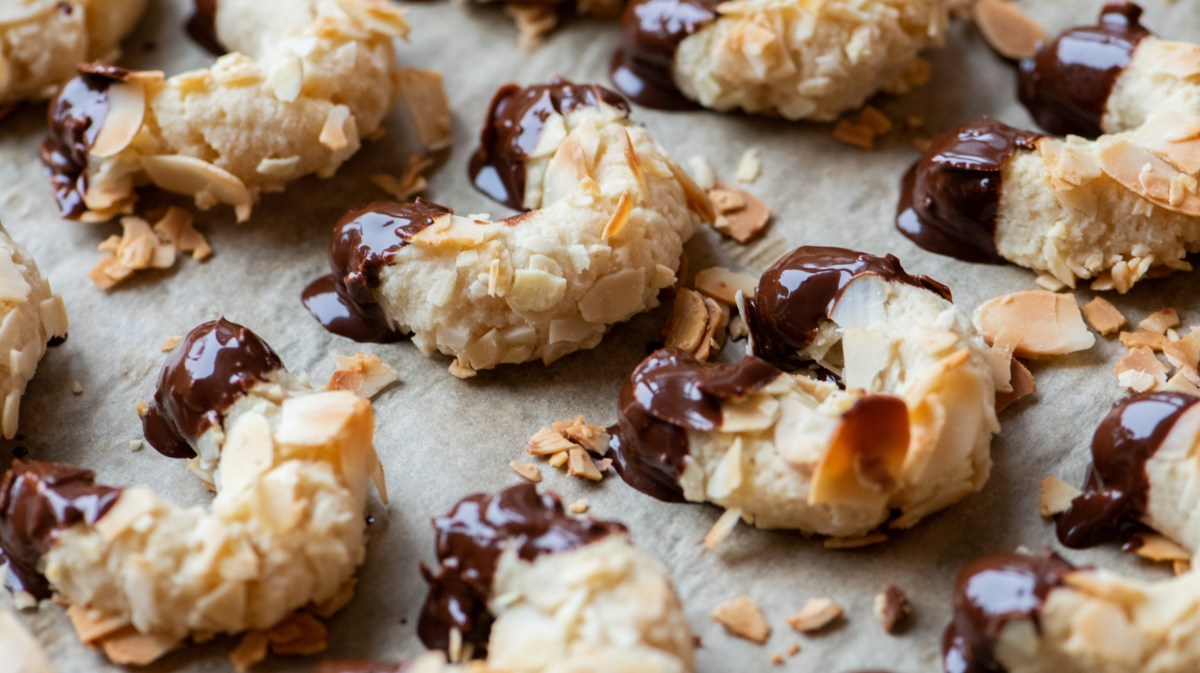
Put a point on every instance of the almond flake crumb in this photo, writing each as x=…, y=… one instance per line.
x=854, y=542
x=252, y=650
x=1159, y=548
x=137, y=248
x=362, y=374
x=461, y=371
x=722, y=528
x=170, y=344
x=1160, y=321
x=739, y=215
x=527, y=471
x=424, y=94
x=1140, y=371
x=534, y=22
x=178, y=227
x=893, y=609
x=816, y=614
x=1050, y=283
x=1152, y=340
x=777, y=659
x=855, y=135
x=749, y=167
x=580, y=506
x=793, y=650
x=136, y=445
x=76, y=388
x=1008, y=29
x=301, y=634
x=142, y=408
x=547, y=442
x=697, y=324
x=1103, y=316
x=702, y=172
x=723, y=285
x=1047, y=323
x=579, y=464
x=1055, y=496
x=742, y=618
x=409, y=183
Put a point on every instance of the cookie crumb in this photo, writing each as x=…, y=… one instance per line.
x=749, y=167
x=818, y=613
x=742, y=618
x=894, y=609
x=526, y=471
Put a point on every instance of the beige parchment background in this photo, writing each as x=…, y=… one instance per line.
x=441, y=438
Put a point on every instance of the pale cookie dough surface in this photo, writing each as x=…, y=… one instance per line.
x=1161, y=77
x=801, y=59
x=41, y=41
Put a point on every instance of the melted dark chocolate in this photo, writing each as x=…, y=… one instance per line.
x=363, y=242
x=990, y=593
x=669, y=393
x=1067, y=83
x=1115, y=496
x=202, y=27
x=216, y=364
x=643, y=66
x=37, y=500
x=514, y=125
x=950, y=197
x=73, y=121
x=801, y=290
x=470, y=541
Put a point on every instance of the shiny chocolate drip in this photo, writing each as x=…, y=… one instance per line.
x=990, y=593
x=470, y=541
x=202, y=27
x=37, y=500
x=1117, y=490
x=1067, y=83
x=216, y=364
x=513, y=126
x=801, y=290
x=363, y=242
x=73, y=121
x=643, y=67
x=669, y=393
x=950, y=198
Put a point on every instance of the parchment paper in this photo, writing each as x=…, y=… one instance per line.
x=441, y=438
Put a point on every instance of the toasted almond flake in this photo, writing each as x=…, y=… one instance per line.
x=1008, y=29
x=612, y=229
x=740, y=215
x=749, y=166
x=1182, y=382
x=816, y=614
x=299, y=634
x=558, y=460
x=534, y=22
x=424, y=94
x=333, y=133
x=854, y=542
x=703, y=172
x=1055, y=496
x=594, y=438
x=742, y=618
x=579, y=464
x=855, y=134
x=697, y=199
x=1049, y=282
x=527, y=471
x=580, y=506
x=92, y=625
x=1142, y=172
x=1140, y=371
x=177, y=227
x=723, y=285
x=1160, y=321
x=721, y=529
x=460, y=370
x=1152, y=340
x=126, y=111
x=1184, y=352
x=170, y=343
x=547, y=441
x=1106, y=588
x=1159, y=548
x=874, y=119
x=199, y=179
x=409, y=183
x=685, y=328
x=1048, y=323
x=893, y=609
x=1022, y=383
x=250, y=651
x=362, y=374
x=1103, y=316
x=127, y=647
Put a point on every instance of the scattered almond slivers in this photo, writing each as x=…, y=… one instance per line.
x=141, y=246
x=1055, y=496
x=722, y=528
x=1046, y=322
x=362, y=374
x=697, y=324
x=739, y=215
x=409, y=183
x=862, y=132
x=1008, y=29
x=569, y=445
x=723, y=285
x=816, y=614
x=742, y=618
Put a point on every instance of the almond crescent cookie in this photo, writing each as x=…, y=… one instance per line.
x=22, y=653
x=32, y=317
x=1023, y=614
x=1110, y=209
x=292, y=468
x=41, y=41
x=305, y=81
x=538, y=591
x=1110, y=77
x=887, y=414
x=798, y=59
x=608, y=214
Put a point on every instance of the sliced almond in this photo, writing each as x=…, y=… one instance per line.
x=409, y=183
x=300, y=634
x=334, y=133
x=721, y=529
x=612, y=229
x=854, y=542
x=1160, y=321
x=177, y=227
x=192, y=177
x=363, y=374
x=1152, y=340
x=742, y=618
x=697, y=199
x=1142, y=172
x=739, y=215
x=252, y=650
x=1055, y=496
x=547, y=442
x=1103, y=316
x=749, y=166
x=424, y=94
x=855, y=134
x=534, y=21
x=579, y=464
x=1140, y=371
x=685, y=328
x=1048, y=323
x=126, y=112
x=723, y=285
x=1159, y=548
x=1008, y=29
x=127, y=647
x=816, y=614
x=527, y=471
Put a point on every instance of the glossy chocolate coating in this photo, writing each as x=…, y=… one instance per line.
x=1118, y=488
x=202, y=26
x=73, y=121
x=950, y=198
x=216, y=364
x=470, y=541
x=669, y=393
x=801, y=290
x=1067, y=83
x=513, y=126
x=643, y=67
x=37, y=500
x=990, y=593
x=363, y=242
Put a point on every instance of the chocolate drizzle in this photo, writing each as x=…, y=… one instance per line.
x=470, y=541
x=37, y=500
x=801, y=290
x=643, y=66
x=363, y=242
x=669, y=393
x=513, y=126
x=1117, y=489
x=216, y=364
x=202, y=27
x=1067, y=83
x=73, y=121
x=950, y=197
x=990, y=593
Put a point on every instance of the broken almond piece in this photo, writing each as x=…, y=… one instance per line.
x=749, y=166
x=723, y=285
x=696, y=325
x=579, y=464
x=250, y=651
x=1055, y=496
x=722, y=528
x=580, y=506
x=816, y=614
x=855, y=134
x=1152, y=340
x=177, y=226
x=1021, y=380
x=854, y=542
x=1103, y=316
x=1048, y=323
x=1160, y=321
x=1008, y=29
x=170, y=343
x=526, y=471
x=1140, y=371
x=893, y=609
x=127, y=647
x=300, y=634
x=547, y=442
x=409, y=183
x=362, y=374
x=1159, y=548
x=739, y=215
x=742, y=618
x=424, y=94
x=534, y=21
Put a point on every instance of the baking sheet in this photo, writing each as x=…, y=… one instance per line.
x=441, y=438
